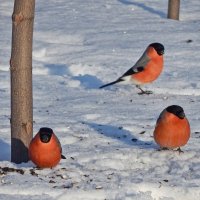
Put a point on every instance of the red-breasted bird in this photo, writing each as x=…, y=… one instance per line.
x=146, y=69
x=45, y=149
x=172, y=128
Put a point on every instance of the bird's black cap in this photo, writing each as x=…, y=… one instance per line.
x=45, y=134
x=158, y=47
x=176, y=110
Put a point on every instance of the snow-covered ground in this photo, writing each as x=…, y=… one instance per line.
x=106, y=134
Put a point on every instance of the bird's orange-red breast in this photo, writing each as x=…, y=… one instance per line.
x=45, y=149
x=152, y=69
x=172, y=128
x=146, y=69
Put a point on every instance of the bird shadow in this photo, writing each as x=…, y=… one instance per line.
x=87, y=81
x=5, y=152
x=144, y=7
x=120, y=134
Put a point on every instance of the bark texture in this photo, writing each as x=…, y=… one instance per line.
x=21, y=79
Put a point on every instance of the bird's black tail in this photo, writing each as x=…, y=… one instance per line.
x=112, y=83
x=63, y=157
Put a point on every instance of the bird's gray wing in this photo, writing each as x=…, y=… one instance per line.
x=139, y=65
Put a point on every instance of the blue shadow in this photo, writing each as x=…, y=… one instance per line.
x=87, y=81
x=144, y=7
x=5, y=151
x=122, y=135
x=57, y=69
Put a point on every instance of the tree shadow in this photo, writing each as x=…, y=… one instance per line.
x=121, y=134
x=5, y=151
x=19, y=152
x=144, y=7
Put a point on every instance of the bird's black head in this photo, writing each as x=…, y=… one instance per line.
x=176, y=110
x=158, y=47
x=45, y=134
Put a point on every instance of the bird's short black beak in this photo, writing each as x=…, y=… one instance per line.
x=45, y=137
x=45, y=134
x=161, y=53
x=181, y=115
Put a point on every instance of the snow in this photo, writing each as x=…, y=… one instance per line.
x=106, y=134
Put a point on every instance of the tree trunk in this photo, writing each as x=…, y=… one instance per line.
x=21, y=79
x=173, y=9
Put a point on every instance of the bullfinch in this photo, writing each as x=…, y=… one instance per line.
x=145, y=70
x=172, y=129
x=45, y=149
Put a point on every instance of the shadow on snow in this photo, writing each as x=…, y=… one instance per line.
x=144, y=7
x=87, y=81
x=122, y=135
x=5, y=151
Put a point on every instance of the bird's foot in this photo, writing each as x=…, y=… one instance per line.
x=163, y=149
x=145, y=92
x=179, y=150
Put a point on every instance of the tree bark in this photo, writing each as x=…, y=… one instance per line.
x=173, y=9
x=21, y=79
